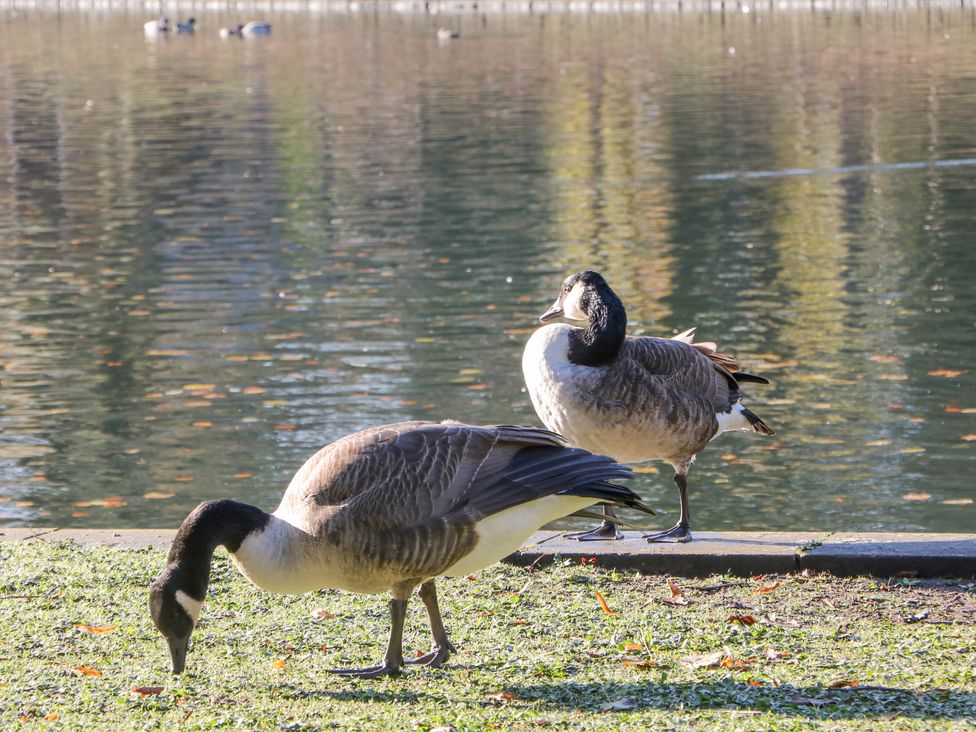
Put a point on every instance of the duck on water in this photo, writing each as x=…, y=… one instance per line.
x=633, y=398
x=388, y=509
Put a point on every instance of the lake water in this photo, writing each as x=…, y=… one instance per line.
x=218, y=255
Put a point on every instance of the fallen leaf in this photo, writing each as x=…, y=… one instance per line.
x=147, y=690
x=828, y=602
x=322, y=614
x=641, y=663
x=884, y=358
x=754, y=683
x=968, y=438
x=502, y=696
x=878, y=443
x=917, y=496
x=203, y=423
x=744, y=619
x=243, y=475
x=957, y=501
x=772, y=654
x=619, y=705
x=843, y=684
x=51, y=716
x=85, y=628
x=157, y=495
x=603, y=604
x=86, y=671
x=677, y=598
x=278, y=663
x=633, y=646
x=766, y=589
x=705, y=660
x=947, y=373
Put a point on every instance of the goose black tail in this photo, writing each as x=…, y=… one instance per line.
x=758, y=426
x=607, y=492
x=740, y=376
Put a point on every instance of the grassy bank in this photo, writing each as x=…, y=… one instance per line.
x=536, y=650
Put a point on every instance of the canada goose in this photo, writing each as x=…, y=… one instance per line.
x=446, y=34
x=156, y=26
x=388, y=509
x=232, y=32
x=256, y=28
x=632, y=398
x=189, y=26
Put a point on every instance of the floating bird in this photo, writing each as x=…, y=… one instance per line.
x=232, y=32
x=156, y=26
x=446, y=34
x=388, y=509
x=256, y=28
x=633, y=398
x=189, y=26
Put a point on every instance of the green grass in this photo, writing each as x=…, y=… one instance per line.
x=536, y=650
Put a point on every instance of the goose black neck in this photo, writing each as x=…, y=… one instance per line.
x=211, y=524
x=599, y=344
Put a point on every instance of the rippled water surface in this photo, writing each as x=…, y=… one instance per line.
x=217, y=256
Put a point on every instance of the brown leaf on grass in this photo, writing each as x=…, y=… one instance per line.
x=147, y=690
x=766, y=589
x=844, y=684
x=706, y=660
x=603, y=604
x=633, y=646
x=677, y=598
x=640, y=663
x=86, y=670
x=85, y=628
x=322, y=614
x=772, y=654
x=744, y=619
x=501, y=696
x=828, y=602
x=51, y=717
x=278, y=663
x=753, y=682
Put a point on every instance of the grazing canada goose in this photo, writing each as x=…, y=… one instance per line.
x=388, y=509
x=632, y=398
x=189, y=26
x=156, y=26
x=256, y=28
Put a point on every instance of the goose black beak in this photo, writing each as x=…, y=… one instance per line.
x=556, y=311
x=177, y=650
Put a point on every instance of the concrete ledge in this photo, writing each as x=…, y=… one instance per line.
x=737, y=553
x=746, y=554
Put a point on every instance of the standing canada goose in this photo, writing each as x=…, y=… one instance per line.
x=388, y=509
x=633, y=398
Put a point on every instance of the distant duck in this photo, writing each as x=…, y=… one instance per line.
x=446, y=34
x=256, y=28
x=232, y=32
x=156, y=26
x=633, y=398
x=388, y=509
x=189, y=26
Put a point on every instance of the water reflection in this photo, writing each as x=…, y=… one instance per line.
x=218, y=255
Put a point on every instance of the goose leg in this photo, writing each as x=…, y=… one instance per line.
x=393, y=660
x=681, y=531
x=442, y=648
x=606, y=531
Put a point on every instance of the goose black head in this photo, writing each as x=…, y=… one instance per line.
x=576, y=296
x=174, y=613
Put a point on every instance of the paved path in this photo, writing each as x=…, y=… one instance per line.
x=738, y=553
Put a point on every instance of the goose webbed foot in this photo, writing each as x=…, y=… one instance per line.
x=607, y=531
x=677, y=534
x=387, y=668
x=437, y=656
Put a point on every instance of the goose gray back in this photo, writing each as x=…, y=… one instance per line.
x=388, y=509
x=633, y=398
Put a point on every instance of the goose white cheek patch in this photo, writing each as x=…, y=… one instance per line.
x=571, y=303
x=191, y=606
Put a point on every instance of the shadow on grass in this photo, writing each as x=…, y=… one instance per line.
x=804, y=701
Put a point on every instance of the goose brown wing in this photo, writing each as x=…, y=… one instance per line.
x=677, y=367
